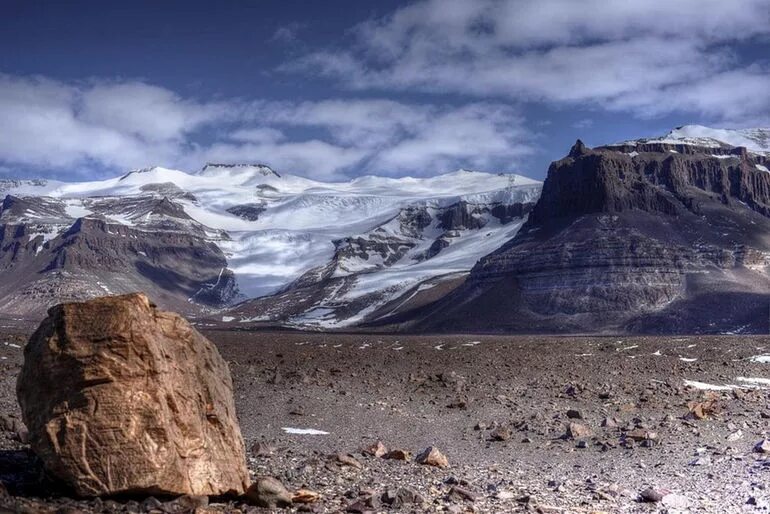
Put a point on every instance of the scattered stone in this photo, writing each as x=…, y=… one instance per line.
x=190, y=503
x=401, y=497
x=578, y=431
x=431, y=456
x=261, y=449
x=574, y=414
x=501, y=433
x=398, y=455
x=762, y=446
x=269, y=493
x=460, y=493
x=735, y=436
x=377, y=450
x=121, y=368
x=640, y=434
x=305, y=496
x=609, y=423
x=345, y=459
x=676, y=502
x=151, y=503
x=702, y=410
x=651, y=495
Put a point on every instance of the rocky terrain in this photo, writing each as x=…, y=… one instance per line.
x=527, y=424
x=661, y=236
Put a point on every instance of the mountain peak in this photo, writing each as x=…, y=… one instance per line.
x=264, y=169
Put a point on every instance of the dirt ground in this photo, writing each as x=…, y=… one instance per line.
x=528, y=424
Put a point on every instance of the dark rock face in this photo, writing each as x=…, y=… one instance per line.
x=47, y=256
x=461, y=216
x=620, y=236
x=249, y=211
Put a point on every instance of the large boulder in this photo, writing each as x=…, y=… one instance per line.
x=122, y=398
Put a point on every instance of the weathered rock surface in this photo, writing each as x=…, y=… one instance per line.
x=269, y=492
x=120, y=397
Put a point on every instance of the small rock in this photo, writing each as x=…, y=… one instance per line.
x=577, y=430
x=762, y=446
x=190, y=502
x=651, y=495
x=431, y=456
x=701, y=461
x=151, y=503
x=261, y=449
x=501, y=433
x=639, y=434
x=574, y=414
x=345, y=459
x=702, y=410
x=676, y=502
x=268, y=492
x=461, y=493
x=377, y=450
x=401, y=497
x=305, y=496
x=398, y=455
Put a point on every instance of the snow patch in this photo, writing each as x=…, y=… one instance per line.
x=303, y=431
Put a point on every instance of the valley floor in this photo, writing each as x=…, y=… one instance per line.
x=453, y=392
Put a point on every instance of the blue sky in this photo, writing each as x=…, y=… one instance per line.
x=337, y=89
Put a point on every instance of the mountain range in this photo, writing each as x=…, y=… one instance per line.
x=665, y=234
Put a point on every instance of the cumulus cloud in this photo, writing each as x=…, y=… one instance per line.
x=112, y=126
x=50, y=124
x=617, y=55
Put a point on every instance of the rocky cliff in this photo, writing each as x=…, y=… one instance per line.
x=651, y=236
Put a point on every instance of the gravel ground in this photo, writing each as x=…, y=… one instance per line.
x=528, y=424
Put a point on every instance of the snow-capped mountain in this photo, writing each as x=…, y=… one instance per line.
x=755, y=140
x=231, y=233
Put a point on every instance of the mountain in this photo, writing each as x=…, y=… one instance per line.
x=198, y=243
x=668, y=235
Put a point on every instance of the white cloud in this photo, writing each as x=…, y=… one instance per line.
x=620, y=55
x=66, y=128
x=144, y=111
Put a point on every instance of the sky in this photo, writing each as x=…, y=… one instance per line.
x=336, y=89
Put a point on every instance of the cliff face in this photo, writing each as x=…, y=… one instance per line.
x=47, y=256
x=631, y=238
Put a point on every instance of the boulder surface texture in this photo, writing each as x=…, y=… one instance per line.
x=122, y=398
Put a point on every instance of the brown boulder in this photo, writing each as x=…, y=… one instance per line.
x=431, y=456
x=120, y=397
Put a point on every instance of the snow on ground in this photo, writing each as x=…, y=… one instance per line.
x=303, y=431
